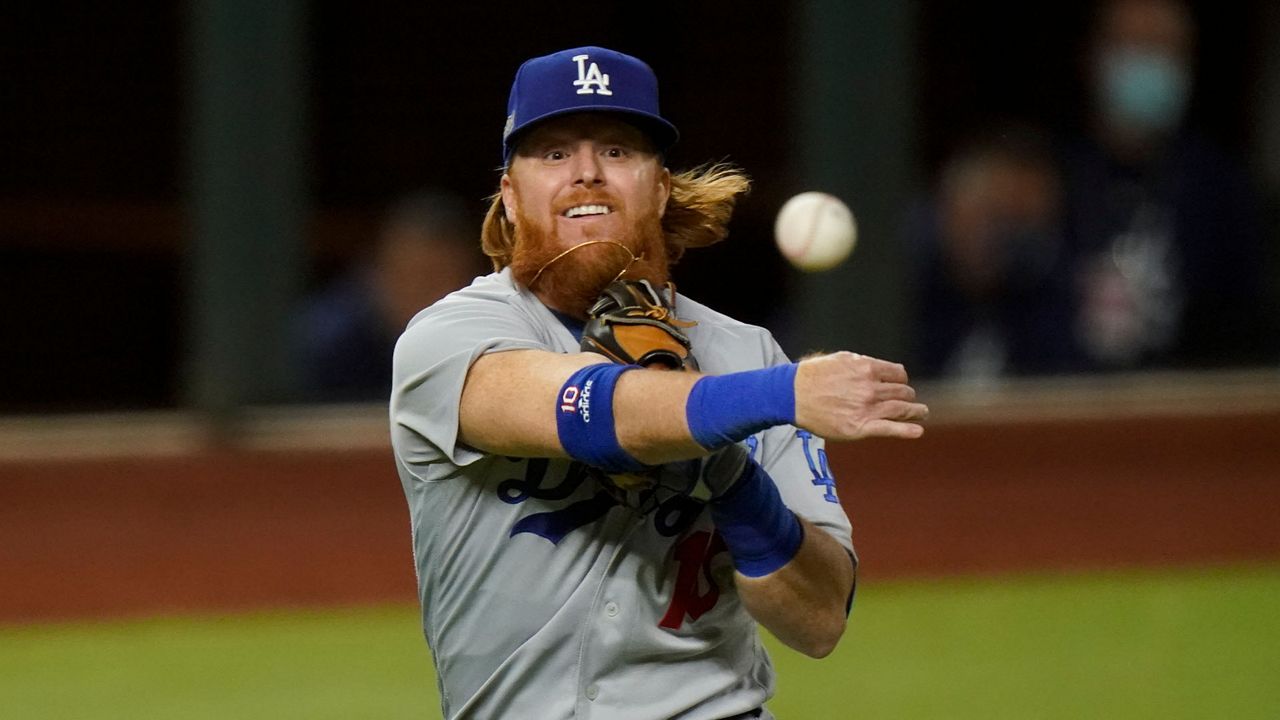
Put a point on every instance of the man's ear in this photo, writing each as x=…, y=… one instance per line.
x=664, y=179
x=509, y=207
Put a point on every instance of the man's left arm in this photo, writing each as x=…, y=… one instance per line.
x=805, y=602
x=781, y=526
x=803, y=599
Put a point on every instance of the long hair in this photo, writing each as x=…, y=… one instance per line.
x=698, y=212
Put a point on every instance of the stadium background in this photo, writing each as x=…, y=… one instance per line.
x=179, y=540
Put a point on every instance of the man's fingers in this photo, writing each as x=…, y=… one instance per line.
x=895, y=391
x=892, y=429
x=886, y=371
x=900, y=410
x=915, y=411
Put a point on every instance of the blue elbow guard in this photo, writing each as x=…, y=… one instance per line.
x=761, y=532
x=724, y=409
x=584, y=419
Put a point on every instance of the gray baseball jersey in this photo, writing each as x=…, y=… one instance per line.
x=544, y=596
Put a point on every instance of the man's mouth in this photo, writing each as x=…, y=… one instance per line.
x=587, y=210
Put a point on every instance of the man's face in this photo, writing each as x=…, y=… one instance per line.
x=584, y=177
x=577, y=181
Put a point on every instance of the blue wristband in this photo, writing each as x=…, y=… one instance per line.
x=761, y=532
x=584, y=419
x=724, y=409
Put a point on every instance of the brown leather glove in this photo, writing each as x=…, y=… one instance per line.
x=632, y=323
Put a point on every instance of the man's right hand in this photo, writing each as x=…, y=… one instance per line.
x=845, y=396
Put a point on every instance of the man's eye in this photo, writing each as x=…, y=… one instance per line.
x=616, y=152
x=553, y=155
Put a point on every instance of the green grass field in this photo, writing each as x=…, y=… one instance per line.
x=1187, y=644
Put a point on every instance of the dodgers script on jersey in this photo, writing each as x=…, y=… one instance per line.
x=544, y=595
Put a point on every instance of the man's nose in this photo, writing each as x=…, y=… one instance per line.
x=587, y=169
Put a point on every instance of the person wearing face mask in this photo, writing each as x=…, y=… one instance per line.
x=1161, y=225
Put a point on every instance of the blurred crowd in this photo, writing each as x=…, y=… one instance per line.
x=1136, y=244
x=1131, y=244
x=425, y=248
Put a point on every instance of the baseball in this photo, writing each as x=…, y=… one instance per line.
x=815, y=231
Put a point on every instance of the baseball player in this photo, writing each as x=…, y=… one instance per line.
x=610, y=484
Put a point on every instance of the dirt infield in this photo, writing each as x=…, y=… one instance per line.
x=217, y=530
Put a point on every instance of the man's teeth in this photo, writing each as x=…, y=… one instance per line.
x=586, y=210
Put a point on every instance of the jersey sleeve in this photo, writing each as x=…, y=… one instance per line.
x=431, y=362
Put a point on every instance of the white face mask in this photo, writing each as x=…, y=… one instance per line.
x=1143, y=90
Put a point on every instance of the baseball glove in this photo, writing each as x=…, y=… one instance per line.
x=632, y=323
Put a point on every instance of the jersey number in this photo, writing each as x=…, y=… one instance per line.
x=693, y=556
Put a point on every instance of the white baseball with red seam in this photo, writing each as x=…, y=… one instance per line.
x=815, y=231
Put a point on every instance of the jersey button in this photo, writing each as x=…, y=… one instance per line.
x=611, y=609
x=592, y=692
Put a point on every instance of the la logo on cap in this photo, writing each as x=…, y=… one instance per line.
x=590, y=80
x=546, y=87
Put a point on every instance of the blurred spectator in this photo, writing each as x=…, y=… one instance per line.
x=992, y=297
x=426, y=248
x=1169, y=257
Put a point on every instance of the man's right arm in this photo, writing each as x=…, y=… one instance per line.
x=509, y=404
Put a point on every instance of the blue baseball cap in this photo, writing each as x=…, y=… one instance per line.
x=585, y=79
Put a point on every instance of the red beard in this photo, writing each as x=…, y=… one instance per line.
x=572, y=283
